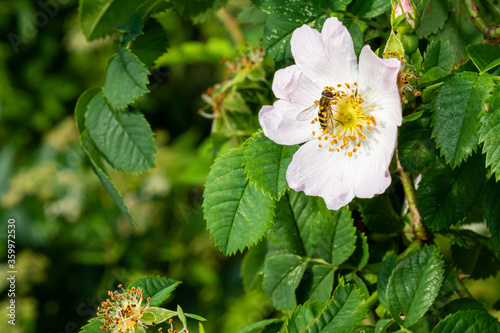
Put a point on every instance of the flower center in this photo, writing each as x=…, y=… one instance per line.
x=346, y=122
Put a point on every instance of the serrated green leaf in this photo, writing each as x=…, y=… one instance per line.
x=321, y=283
x=416, y=149
x=127, y=79
x=489, y=132
x=92, y=327
x=484, y=56
x=281, y=23
x=379, y=214
x=238, y=215
x=445, y=196
x=491, y=206
x=252, y=265
x=295, y=219
x=434, y=16
x=156, y=315
x=471, y=321
x=150, y=7
x=132, y=28
x=260, y=324
x=187, y=9
x=383, y=324
x=458, y=29
x=98, y=18
x=81, y=107
x=302, y=316
x=152, y=44
x=345, y=311
x=361, y=254
x=369, y=9
x=94, y=156
x=158, y=288
x=432, y=75
x=282, y=274
x=266, y=163
x=463, y=304
x=414, y=284
x=124, y=137
x=456, y=108
x=336, y=238
x=439, y=54
x=388, y=265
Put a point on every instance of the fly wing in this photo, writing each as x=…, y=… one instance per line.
x=307, y=114
x=332, y=122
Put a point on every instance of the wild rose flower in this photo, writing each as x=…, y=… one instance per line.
x=347, y=149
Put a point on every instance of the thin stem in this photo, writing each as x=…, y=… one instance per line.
x=490, y=32
x=372, y=301
x=418, y=228
x=232, y=26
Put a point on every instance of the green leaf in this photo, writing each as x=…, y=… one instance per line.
x=335, y=238
x=369, y=9
x=98, y=18
x=383, y=324
x=489, y=132
x=361, y=254
x=132, y=28
x=356, y=34
x=152, y=44
x=345, y=311
x=414, y=284
x=266, y=163
x=302, y=316
x=321, y=286
x=458, y=29
x=158, y=288
x=415, y=147
x=432, y=75
x=471, y=321
x=252, y=265
x=462, y=304
x=379, y=214
x=94, y=156
x=491, y=206
x=388, y=265
x=445, y=196
x=150, y=7
x=156, y=315
x=361, y=329
x=484, y=56
x=126, y=79
x=187, y=9
x=439, y=54
x=194, y=316
x=92, y=327
x=434, y=16
x=124, y=137
x=81, y=107
x=296, y=216
x=281, y=23
x=238, y=215
x=282, y=274
x=260, y=324
x=456, y=108
x=181, y=316
x=339, y=4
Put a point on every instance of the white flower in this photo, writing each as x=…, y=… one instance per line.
x=349, y=156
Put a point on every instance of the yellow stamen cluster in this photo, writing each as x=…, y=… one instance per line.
x=348, y=123
x=122, y=312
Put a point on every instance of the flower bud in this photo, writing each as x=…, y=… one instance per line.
x=404, y=23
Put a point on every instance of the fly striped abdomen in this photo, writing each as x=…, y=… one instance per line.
x=324, y=107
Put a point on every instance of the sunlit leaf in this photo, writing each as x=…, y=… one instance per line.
x=489, y=132
x=158, y=288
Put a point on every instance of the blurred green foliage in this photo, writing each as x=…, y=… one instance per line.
x=73, y=244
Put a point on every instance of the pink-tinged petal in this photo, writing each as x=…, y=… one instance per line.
x=279, y=123
x=323, y=59
x=377, y=85
x=291, y=84
x=340, y=50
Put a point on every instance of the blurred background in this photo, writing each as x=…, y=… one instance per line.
x=72, y=243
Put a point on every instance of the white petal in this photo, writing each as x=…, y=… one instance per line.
x=291, y=84
x=279, y=123
x=327, y=58
x=318, y=172
x=338, y=178
x=378, y=86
